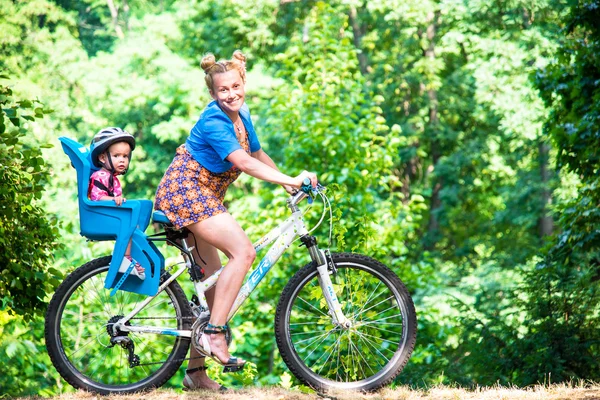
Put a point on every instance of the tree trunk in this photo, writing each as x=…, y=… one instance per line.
x=546, y=223
x=435, y=151
x=126, y=10
x=409, y=172
x=114, y=13
x=358, y=35
x=271, y=358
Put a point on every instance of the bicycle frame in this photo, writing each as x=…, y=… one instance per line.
x=283, y=235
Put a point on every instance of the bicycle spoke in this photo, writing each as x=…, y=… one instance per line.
x=306, y=333
x=376, y=360
x=360, y=353
x=377, y=321
x=325, y=338
x=312, y=339
x=94, y=339
x=308, y=316
x=370, y=295
x=376, y=348
x=347, y=356
x=316, y=309
x=355, y=316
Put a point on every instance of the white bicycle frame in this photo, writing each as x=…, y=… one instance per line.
x=283, y=235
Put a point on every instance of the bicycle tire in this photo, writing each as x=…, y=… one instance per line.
x=305, y=333
x=82, y=309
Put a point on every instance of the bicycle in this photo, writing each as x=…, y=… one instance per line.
x=343, y=321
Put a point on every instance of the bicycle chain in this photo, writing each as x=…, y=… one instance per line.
x=172, y=361
x=180, y=318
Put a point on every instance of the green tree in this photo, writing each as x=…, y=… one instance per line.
x=564, y=297
x=27, y=234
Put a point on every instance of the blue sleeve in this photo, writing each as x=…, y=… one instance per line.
x=254, y=143
x=223, y=143
x=218, y=133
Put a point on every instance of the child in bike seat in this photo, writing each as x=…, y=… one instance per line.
x=111, y=151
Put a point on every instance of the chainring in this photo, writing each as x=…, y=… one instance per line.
x=198, y=328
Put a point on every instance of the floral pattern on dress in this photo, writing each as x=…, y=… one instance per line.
x=189, y=193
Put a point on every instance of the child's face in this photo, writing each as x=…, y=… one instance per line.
x=119, y=154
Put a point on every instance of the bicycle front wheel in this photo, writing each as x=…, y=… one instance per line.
x=369, y=353
x=87, y=353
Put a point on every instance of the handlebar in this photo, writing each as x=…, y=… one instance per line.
x=305, y=190
x=307, y=187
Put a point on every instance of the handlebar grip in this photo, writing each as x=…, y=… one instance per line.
x=306, y=186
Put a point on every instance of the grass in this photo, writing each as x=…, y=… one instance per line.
x=551, y=392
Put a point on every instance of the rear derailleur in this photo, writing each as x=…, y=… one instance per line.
x=122, y=339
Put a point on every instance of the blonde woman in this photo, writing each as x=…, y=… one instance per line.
x=221, y=146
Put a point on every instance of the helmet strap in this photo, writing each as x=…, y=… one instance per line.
x=110, y=169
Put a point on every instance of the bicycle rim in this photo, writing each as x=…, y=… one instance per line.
x=366, y=355
x=89, y=361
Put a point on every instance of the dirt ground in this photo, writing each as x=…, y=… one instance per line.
x=552, y=392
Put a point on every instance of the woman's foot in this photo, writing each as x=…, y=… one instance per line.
x=215, y=346
x=196, y=378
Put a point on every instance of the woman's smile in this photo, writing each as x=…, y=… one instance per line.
x=229, y=92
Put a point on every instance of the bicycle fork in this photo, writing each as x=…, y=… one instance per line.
x=325, y=267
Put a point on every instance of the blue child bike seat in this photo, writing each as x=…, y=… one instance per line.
x=104, y=220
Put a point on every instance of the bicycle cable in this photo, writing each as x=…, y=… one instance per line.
x=326, y=205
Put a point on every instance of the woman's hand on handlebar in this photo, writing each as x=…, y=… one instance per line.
x=305, y=174
x=290, y=190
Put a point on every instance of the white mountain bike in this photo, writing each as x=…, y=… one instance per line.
x=344, y=321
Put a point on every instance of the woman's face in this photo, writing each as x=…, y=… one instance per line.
x=228, y=91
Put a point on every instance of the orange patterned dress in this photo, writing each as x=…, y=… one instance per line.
x=189, y=193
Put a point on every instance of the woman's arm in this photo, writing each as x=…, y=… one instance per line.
x=263, y=157
x=262, y=167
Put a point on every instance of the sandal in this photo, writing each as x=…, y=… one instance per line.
x=189, y=384
x=126, y=263
x=231, y=365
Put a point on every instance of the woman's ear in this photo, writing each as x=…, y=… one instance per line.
x=212, y=94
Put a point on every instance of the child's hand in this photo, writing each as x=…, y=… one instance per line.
x=119, y=200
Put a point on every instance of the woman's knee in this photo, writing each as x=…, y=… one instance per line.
x=246, y=254
x=250, y=255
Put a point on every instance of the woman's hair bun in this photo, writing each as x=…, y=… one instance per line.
x=208, y=61
x=238, y=55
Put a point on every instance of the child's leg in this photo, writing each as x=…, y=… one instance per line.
x=138, y=266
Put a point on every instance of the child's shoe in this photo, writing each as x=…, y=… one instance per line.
x=137, y=270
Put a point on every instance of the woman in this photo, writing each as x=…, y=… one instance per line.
x=221, y=146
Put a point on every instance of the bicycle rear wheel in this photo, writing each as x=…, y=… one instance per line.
x=78, y=334
x=365, y=356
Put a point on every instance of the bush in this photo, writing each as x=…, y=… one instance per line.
x=27, y=234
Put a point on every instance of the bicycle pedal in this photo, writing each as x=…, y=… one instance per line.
x=233, y=368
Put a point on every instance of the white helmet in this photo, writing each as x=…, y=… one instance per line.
x=107, y=137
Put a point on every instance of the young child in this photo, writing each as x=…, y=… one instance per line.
x=111, y=151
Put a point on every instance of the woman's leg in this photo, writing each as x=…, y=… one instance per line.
x=210, y=255
x=224, y=233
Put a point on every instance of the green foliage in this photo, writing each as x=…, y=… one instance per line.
x=332, y=124
x=27, y=235
x=570, y=87
x=421, y=118
x=29, y=371
x=564, y=299
x=221, y=27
